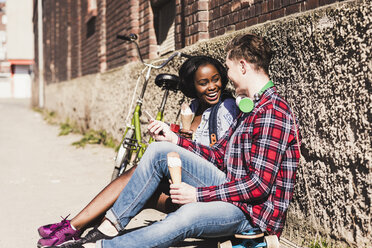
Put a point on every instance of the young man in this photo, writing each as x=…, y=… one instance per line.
x=245, y=180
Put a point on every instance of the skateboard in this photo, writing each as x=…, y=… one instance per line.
x=252, y=239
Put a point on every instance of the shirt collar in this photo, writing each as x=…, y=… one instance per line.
x=266, y=94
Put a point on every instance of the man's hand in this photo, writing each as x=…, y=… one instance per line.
x=161, y=132
x=182, y=193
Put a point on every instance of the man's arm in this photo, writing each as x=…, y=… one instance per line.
x=161, y=132
x=214, y=154
x=270, y=137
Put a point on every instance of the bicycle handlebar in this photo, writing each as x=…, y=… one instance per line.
x=178, y=54
x=130, y=37
x=133, y=38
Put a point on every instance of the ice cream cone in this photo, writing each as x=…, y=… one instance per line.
x=175, y=167
x=186, y=116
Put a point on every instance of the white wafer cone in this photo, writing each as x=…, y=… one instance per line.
x=175, y=167
x=186, y=116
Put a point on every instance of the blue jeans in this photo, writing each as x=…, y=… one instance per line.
x=200, y=219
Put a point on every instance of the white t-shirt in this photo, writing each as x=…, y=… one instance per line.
x=227, y=112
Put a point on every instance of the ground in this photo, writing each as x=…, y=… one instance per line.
x=43, y=177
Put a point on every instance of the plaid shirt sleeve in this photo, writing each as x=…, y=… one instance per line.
x=214, y=154
x=257, y=165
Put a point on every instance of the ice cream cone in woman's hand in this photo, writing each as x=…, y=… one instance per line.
x=175, y=167
x=186, y=116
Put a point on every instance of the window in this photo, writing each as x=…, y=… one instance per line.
x=164, y=24
x=91, y=26
x=91, y=17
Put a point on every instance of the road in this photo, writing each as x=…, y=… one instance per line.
x=43, y=177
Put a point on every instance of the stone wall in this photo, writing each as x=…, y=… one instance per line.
x=322, y=67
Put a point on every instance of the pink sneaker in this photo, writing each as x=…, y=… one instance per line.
x=45, y=231
x=60, y=236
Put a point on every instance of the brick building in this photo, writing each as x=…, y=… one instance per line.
x=16, y=49
x=80, y=35
x=322, y=66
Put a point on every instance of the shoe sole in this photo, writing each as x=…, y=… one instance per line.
x=60, y=245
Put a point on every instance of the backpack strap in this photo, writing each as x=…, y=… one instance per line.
x=213, y=124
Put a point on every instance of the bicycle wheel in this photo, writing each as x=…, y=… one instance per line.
x=121, y=159
x=117, y=169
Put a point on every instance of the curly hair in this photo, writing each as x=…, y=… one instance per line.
x=189, y=68
x=254, y=49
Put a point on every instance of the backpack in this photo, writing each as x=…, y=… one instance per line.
x=213, y=124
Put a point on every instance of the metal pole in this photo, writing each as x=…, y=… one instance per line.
x=40, y=52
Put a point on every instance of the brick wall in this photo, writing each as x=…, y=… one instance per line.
x=61, y=38
x=71, y=50
x=227, y=16
x=117, y=15
x=48, y=27
x=148, y=41
x=90, y=43
x=195, y=16
x=61, y=59
x=75, y=35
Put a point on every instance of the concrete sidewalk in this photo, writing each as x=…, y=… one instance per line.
x=43, y=177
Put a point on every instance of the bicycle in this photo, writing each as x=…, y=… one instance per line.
x=131, y=146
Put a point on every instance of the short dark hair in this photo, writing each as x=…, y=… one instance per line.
x=253, y=48
x=190, y=66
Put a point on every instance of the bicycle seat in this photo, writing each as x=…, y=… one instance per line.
x=167, y=81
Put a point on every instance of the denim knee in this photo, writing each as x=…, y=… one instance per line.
x=209, y=219
x=161, y=147
x=155, y=157
x=188, y=215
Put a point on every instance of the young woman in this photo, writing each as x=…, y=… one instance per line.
x=202, y=78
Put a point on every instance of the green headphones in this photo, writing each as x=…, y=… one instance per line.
x=246, y=104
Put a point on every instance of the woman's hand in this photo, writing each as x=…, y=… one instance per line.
x=161, y=132
x=185, y=133
x=182, y=193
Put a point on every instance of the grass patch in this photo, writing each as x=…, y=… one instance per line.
x=96, y=137
x=49, y=116
x=319, y=244
x=37, y=109
x=67, y=128
x=90, y=137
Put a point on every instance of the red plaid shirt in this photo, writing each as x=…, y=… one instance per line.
x=259, y=155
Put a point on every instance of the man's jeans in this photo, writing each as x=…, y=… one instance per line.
x=200, y=219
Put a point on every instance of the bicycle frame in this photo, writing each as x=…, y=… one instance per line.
x=132, y=147
x=133, y=141
x=135, y=123
x=137, y=127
